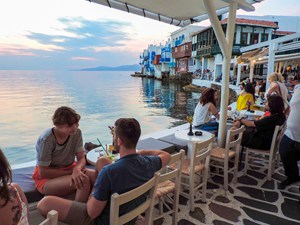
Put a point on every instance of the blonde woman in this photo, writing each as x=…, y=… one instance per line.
x=277, y=86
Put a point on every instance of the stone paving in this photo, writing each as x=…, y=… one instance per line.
x=253, y=200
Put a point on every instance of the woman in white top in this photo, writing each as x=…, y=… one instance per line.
x=277, y=86
x=205, y=108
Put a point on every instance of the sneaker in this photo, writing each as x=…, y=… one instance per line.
x=289, y=181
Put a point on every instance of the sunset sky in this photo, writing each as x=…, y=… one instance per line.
x=73, y=34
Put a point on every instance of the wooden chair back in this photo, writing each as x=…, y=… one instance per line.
x=149, y=188
x=52, y=218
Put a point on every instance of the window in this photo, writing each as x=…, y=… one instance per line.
x=254, y=38
x=264, y=37
x=244, y=38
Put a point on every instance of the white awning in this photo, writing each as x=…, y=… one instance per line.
x=175, y=12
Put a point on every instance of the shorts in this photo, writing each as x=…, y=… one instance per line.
x=78, y=214
x=40, y=181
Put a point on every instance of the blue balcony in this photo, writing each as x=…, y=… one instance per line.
x=172, y=64
x=164, y=60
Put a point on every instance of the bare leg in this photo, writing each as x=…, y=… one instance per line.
x=82, y=194
x=59, y=186
x=92, y=174
x=62, y=206
x=103, y=161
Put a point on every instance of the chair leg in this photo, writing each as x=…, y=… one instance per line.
x=246, y=162
x=160, y=206
x=191, y=193
x=236, y=161
x=226, y=175
x=204, y=185
x=270, y=168
x=175, y=209
x=241, y=155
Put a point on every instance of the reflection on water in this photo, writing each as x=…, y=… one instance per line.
x=29, y=98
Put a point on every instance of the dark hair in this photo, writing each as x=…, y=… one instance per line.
x=128, y=130
x=65, y=115
x=276, y=104
x=208, y=95
x=249, y=89
x=5, y=178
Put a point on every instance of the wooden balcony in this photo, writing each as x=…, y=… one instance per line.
x=182, y=51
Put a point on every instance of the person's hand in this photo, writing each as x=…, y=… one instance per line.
x=78, y=178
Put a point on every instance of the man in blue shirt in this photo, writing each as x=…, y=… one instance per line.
x=133, y=169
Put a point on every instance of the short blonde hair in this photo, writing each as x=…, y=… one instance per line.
x=276, y=77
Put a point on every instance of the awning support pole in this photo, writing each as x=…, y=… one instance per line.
x=271, y=61
x=226, y=48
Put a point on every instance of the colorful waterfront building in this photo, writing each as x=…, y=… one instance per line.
x=206, y=51
x=181, y=61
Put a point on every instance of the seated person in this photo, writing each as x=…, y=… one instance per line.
x=13, y=202
x=261, y=138
x=262, y=88
x=257, y=86
x=204, y=109
x=57, y=172
x=246, y=97
x=133, y=169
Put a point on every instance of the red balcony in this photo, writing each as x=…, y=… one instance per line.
x=156, y=60
x=182, y=51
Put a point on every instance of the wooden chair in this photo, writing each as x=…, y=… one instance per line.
x=252, y=154
x=169, y=187
x=220, y=157
x=195, y=170
x=52, y=218
x=149, y=189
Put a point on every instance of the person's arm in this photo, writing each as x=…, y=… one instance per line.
x=273, y=87
x=164, y=156
x=22, y=195
x=95, y=207
x=77, y=176
x=247, y=123
x=214, y=110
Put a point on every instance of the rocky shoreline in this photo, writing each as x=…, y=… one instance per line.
x=195, y=88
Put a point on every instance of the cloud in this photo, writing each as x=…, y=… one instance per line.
x=83, y=58
x=79, y=40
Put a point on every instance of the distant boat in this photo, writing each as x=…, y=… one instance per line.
x=138, y=74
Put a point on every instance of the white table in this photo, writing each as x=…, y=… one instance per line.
x=251, y=115
x=93, y=155
x=182, y=135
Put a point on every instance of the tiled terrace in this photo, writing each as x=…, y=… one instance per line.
x=253, y=200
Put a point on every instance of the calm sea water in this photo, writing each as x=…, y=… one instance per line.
x=29, y=98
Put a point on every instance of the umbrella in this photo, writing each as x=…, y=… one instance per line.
x=185, y=12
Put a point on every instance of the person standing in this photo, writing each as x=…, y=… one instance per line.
x=290, y=144
x=13, y=202
x=133, y=169
x=57, y=172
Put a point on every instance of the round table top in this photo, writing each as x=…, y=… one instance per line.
x=93, y=155
x=183, y=135
x=255, y=113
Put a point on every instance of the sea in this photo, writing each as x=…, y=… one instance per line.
x=28, y=100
